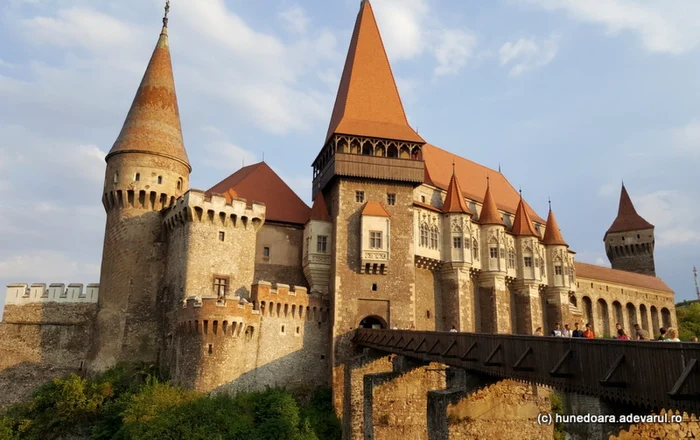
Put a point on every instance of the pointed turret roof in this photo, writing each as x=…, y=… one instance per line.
x=489, y=211
x=552, y=233
x=319, y=210
x=152, y=125
x=368, y=102
x=454, y=201
x=627, y=217
x=522, y=225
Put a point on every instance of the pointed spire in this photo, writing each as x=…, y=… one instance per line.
x=368, y=102
x=319, y=210
x=489, y=210
x=552, y=233
x=153, y=122
x=454, y=201
x=522, y=225
x=627, y=217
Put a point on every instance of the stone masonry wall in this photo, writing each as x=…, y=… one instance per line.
x=688, y=428
x=632, y=251
x=351, y=292
x=429, y=301
x=507, y=409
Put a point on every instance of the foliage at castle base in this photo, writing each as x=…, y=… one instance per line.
x=688, y=320
x=129, y=402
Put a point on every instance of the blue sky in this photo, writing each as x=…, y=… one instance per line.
x=569, y=96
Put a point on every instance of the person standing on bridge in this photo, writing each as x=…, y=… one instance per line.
x=453, y=329
x=662, y=334
x=588, y=333
x=557, y=330
x=577, y=333
x=566, y=332
x=621, y=335
x=642, y=335
x=538, y=332
x=672, y=335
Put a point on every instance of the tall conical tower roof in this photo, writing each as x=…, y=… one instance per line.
x=454, y=201
x=368, y=102
x=627, y=217
x=552, y=233
x=522, y=225
x=152, y=125
x=489, y=211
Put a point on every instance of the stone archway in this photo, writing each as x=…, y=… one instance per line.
x=373, y=321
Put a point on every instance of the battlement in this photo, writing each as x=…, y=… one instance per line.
x=196, y=206
x=284, y=301
x=209, y=314
x=22, y=293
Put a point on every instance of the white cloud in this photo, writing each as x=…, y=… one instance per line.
x=592, y=257
x=687, y=137
x=409, y=30
x=228, y=156
x=662, y=26
x=47, y=266
x=6, y=65
x=526, y=54
x=674, y=215
x=295, y=19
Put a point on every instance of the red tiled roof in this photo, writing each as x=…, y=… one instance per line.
x=319, y=210
x=368, y=102
x=489, y=212
x=260, y=183
x=472, y=178
x=375, y=209
x=593, y=272
x=454, y=200
x=427, y=206
x=153, y=122
x=522, y=225
x=627, y=217
x=552, y=233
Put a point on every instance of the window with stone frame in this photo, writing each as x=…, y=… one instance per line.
x=501, y=253
x=424, y=235
x=557, y=270
x=475, y=249
x=434, y=238
x=511, y=258
x=321, y=244
x=220, y=286
x=493, y=252
x=528, y=261
x=359, y=196
x=375, y=240
x=266, y=252
x=391, y=199
x=457, y=242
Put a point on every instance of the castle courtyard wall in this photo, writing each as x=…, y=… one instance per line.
x=284, y=263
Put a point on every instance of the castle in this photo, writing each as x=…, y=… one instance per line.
x=244, y=286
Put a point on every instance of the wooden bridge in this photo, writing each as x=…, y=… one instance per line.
x=648, y=374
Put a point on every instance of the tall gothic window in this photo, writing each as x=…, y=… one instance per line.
x=493, y=252
x=434, y=238
x=424, y=235
x=220, y=286
x=457, y=242
x=511, y=258
x=475, y=248
x=528, y=261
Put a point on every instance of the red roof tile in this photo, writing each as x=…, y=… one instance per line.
x=522, y=225
x=552, y=233
x=153, y=122
x=368, y=102
x=260, y=183
x=590, y=271
x=319, y=210
x=454, y=200
x=627, y=217
x=375, y=209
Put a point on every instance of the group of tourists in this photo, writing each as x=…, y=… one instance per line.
x=666, y=334
x=566, y=332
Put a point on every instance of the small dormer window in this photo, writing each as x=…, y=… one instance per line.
x=160, y=180
x=137, y=177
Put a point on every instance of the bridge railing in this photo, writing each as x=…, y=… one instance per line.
x=649, y=374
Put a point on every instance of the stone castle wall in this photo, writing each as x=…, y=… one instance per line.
x=632, y=251
x=284, y=243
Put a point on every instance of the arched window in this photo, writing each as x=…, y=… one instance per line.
x=434, y=237
x=424, y=235
x=179, y=183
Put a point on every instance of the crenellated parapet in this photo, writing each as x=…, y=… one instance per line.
x=195, y=206
x=283, y=301
x=212, y=316
x=22, y=293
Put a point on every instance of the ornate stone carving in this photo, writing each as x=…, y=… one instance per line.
x=375, y=255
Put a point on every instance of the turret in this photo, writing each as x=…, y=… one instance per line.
x=629, y=242
x=318, y=233
x=527, y=245
x=560, y=271
x=147, y=170
x=456, y=224
x=493, y=237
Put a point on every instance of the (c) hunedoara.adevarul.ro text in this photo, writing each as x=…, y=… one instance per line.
x=548, y=418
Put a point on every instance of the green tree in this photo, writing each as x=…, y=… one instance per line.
x=688, y=320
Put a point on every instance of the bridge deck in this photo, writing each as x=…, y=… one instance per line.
x=648, y=374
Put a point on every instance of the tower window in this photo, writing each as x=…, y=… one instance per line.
x=298, y=331
x=457, y=242
x=375, y=240
x=220, y=286
x=211, y=348
x=528, y=261
x=222, y=235
x=422, y=199
x=638, y=236
x=282, y=329
x=511, y=259
x=502, y=253
x=266, y=252
x=321, y=244
x=137, y=177
x=116, y=178
x=493, y=252
x=359, y=196
x=374, y=287
x=434, y=240
x=160, y=180
x=179, y=183
x=557, y=270
x=424, y=235
x=391, y=199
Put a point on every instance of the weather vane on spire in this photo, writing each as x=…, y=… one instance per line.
x=167, y=9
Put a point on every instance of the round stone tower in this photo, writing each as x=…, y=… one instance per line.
x=147, y=170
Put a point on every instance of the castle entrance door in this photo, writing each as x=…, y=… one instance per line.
x=373, y=322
